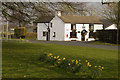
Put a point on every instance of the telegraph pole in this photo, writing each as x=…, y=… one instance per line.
x=2, y=26
x=6, y=30
x=118, y=22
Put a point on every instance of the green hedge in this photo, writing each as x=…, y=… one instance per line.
x=109, y=36
x=31, y=35
x=20, y=32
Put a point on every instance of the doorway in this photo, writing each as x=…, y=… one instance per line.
x=83, y=33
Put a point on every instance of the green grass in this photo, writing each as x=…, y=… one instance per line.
x=22, y=60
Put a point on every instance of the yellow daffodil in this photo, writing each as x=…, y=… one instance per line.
x=88, y=63
x=102, y=67
x=86, y=60
x=99, y=66
x=58, y=56
x=58, y=62
x=55, y=57
x=76, y=61
x=51, y=56
x=59, y=59
x=79, y=60
x=79, y=63
x=63, y=58
x=69, y=64
x=73, y=60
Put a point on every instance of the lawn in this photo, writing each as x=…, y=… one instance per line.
x=21, y=60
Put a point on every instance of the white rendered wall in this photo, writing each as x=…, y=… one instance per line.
x=67, y=32
x=40, y=28
x=98, y=27
x=58, y=28
x=113, y=26
x=78, y=28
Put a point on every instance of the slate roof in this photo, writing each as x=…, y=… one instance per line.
x=70, y=19
x=44, y=19
x=80, y=19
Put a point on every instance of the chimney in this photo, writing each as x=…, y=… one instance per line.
x=58, y=13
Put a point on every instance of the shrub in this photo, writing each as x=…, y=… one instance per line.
x=31, y=35
x=20, y=32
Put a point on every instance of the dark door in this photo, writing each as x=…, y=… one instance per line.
x=83, y=33
x=47, y=36
x=83, y=37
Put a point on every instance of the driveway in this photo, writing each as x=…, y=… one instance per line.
x=78, y=43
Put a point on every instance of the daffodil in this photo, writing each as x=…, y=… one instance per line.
x=63, y=58
x=73, y=60
x=99, y=66
x=102, y=67
x=79, y=63
x=86, y=60
x=58, y=62
x=79, y=60
x=58, y=56
x=69, y=64
x=59, y=59
x=76, y=61
x=55, y=57
x=51, y=56
x=88, y=63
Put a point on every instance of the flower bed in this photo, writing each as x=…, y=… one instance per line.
x=74, y=66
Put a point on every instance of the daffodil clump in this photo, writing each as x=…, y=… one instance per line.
x=73, y=65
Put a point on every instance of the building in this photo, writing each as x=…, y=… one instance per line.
x=67, y=28
x=111, y=27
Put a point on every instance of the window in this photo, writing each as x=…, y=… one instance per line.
x=91, y=27
x=44, y=33
x=91, y=34
x=54, y=34
x=73, y=27
x=51, y=25
x=73, y=34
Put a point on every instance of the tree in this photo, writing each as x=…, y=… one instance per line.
x=26, y=12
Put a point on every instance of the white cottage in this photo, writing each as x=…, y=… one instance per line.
x=68, y=28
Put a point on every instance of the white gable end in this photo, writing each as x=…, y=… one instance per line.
x=113, y=26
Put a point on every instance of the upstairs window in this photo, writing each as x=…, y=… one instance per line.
x=91, y=27
x=51, y=25
x=44, y=33
x=54, y=34
x=73, y=27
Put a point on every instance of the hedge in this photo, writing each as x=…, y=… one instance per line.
x=20, y=32
x=31, y=35
x=109, y=36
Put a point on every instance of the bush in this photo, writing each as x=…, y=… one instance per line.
x=74, y=66
x=109, y=36
x=20, y=32
x=31, y=35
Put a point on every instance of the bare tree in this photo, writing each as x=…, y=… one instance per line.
x=25, y=12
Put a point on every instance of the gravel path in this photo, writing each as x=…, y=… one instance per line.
x=78, y=43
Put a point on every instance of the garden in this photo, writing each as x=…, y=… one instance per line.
x=22, y=59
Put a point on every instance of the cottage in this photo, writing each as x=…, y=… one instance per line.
x=67, y=28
